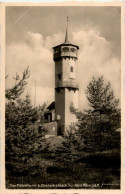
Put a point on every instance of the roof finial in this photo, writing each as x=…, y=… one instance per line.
x=66, y=38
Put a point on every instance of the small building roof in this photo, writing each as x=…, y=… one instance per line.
x=51, y=106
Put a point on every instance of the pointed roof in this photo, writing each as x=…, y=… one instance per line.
x=66, y=37
x=67, y=42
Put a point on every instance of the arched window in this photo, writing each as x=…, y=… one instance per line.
x=65, y=49
x=73, y=50
x=59, y=76
x=71, y=68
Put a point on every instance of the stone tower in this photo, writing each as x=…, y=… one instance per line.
x=66, y=84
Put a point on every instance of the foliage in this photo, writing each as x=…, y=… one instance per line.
x=20, y=83
x=69, y=152
x=100, y=96
x=100, y=170
x=23, y=142
x=41, y=110
x=28, y=152
x=98, y=125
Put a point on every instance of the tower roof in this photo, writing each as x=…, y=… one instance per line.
x=67, y=42
x=66, y=37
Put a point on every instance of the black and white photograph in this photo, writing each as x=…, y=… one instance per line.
x=63, y=97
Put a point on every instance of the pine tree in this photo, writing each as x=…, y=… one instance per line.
x=23, y=142
x=25, y=146
x=98, y=125
x=14, y=92
x=67, y=154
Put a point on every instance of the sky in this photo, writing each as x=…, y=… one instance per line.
x=31, y=32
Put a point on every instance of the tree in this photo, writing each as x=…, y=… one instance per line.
x=67, y=154
x=100, y=96
x=20, y=83
x=23, y=142
x=24, y=145
x=98, y=125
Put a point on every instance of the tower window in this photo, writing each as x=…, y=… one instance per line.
x=71, y=69
x=59, y=76
x=65, y=49
x=73, y=50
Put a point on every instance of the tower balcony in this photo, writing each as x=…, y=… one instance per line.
x=65, y=55
x=67, y=84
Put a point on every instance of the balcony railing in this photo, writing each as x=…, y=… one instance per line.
x=65, y=54
x=68, y=84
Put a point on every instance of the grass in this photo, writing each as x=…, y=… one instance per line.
x=100, y=170
x=55, y=142
x=95, y=170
